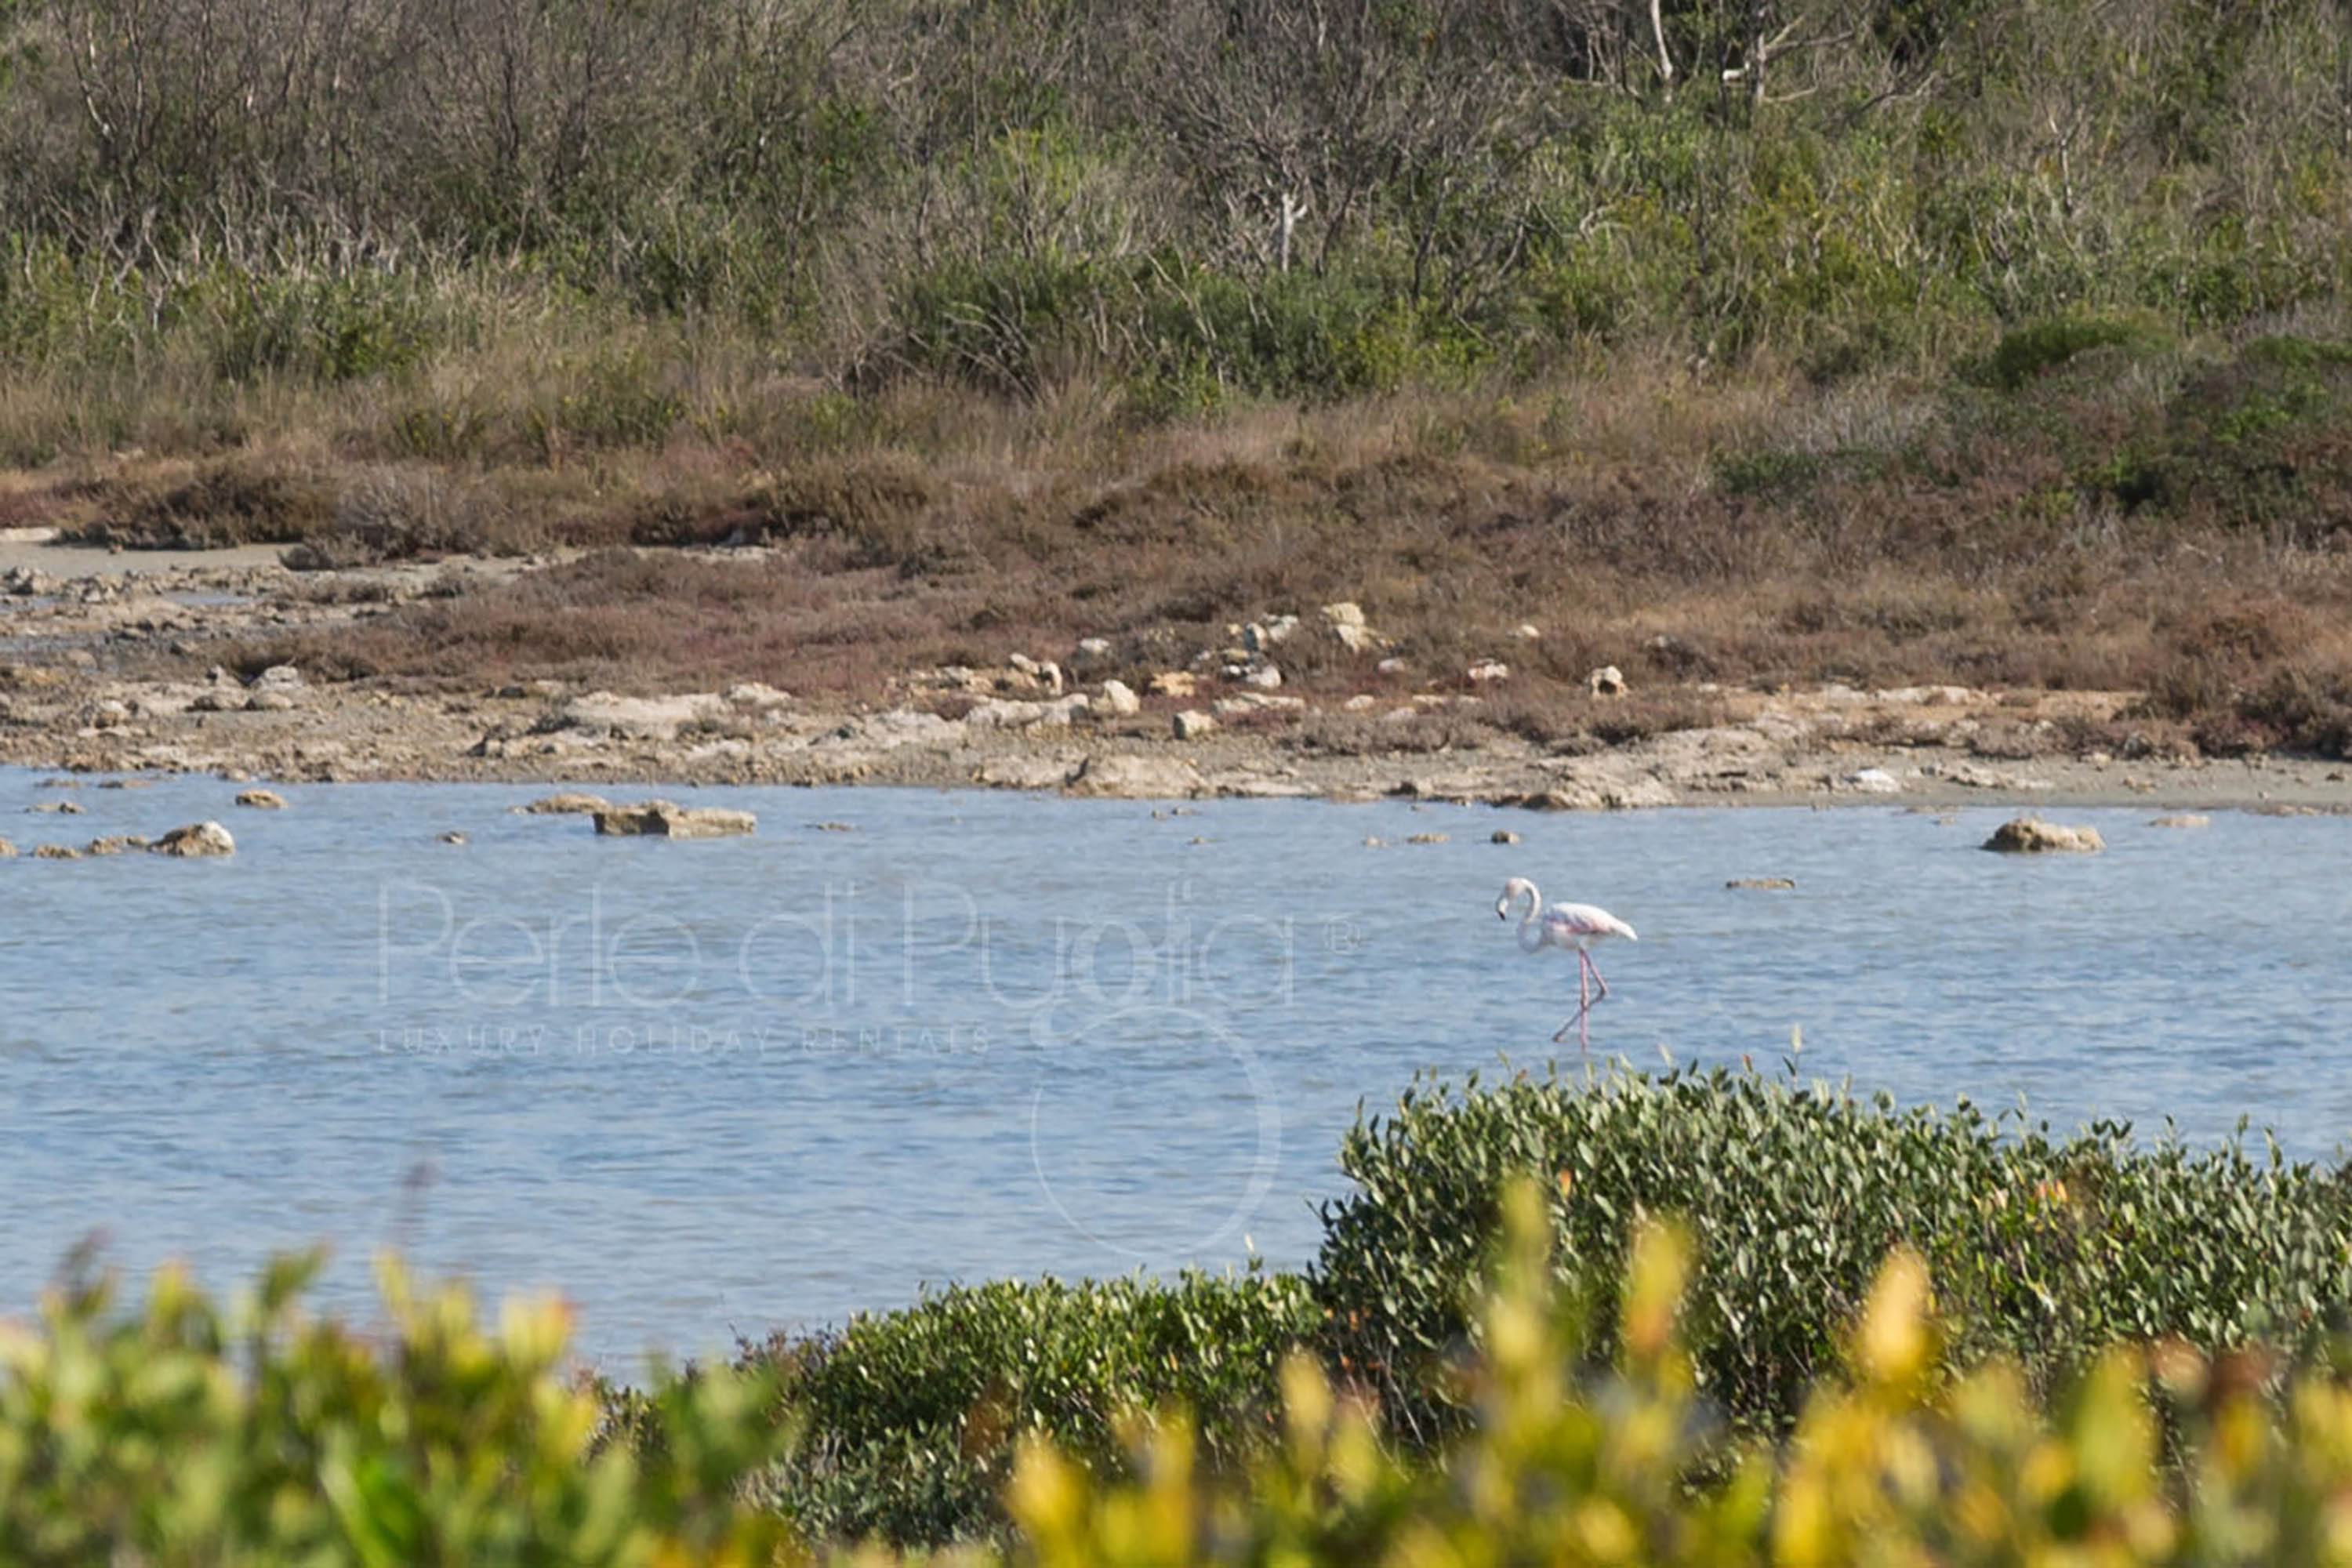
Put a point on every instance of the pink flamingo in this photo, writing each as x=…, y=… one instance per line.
x=1575, y=926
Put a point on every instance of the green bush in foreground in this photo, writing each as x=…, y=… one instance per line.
x=185, y=1434
x=182, y=1436
x=1890, y=1462
x=2047, y=1250
x=1391, y=1406
x=910, y=1419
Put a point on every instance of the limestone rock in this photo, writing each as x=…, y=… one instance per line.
x=268, y=702
x=1502, y=835
x=1039, y=672
x=1601, y=794
x=640, y=718
x=116, y=843
x=1119, y=700
x=1872, y=780
x=262, y=800
x=2185, y=820
x=1014, y=713
x=1021, y=772
x=1346, y=613
x=2031, y=836
x=1761, y=884
x=1606, y=682
x=56, y=852
x=1488, y=669
x=758, y=696
x=196, y=838
x=1192, y=724
x=666, y=819
x=1174, y=683
x=1137, y=778
x=566, y=802
x=896, y=727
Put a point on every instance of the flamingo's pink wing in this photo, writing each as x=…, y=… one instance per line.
x=1585, y=920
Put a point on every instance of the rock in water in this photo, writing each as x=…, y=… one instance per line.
x=2031, y=836
x=262, y=800
x=2186, y=819
x=196, y=838
x=1762, y=884
x=557, y=805
x=665, y=820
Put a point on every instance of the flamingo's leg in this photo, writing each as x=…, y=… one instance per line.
x=1603, y=984
x=1584, y=999
x=1583, y=1006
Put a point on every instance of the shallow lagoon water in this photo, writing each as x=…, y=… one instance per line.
x=710, y=1087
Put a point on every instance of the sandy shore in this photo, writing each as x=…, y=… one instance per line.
x=83, y=633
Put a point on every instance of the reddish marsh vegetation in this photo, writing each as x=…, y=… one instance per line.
x=2084, y=530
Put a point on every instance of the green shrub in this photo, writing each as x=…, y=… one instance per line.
x=1576, y=1460
x=182, y=1434
x=613, y=399
x=338, y=326
x=2033, y=350
x=909, y=1420
x=2047, y=1249
x=2264, y=440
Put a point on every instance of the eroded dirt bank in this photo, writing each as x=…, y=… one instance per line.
x=101, y=671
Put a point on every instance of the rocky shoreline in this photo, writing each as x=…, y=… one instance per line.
x=89, y=643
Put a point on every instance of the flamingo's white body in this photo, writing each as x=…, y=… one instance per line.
x=1572, y=927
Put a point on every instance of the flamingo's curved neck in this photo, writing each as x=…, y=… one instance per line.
x=1531, y=924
